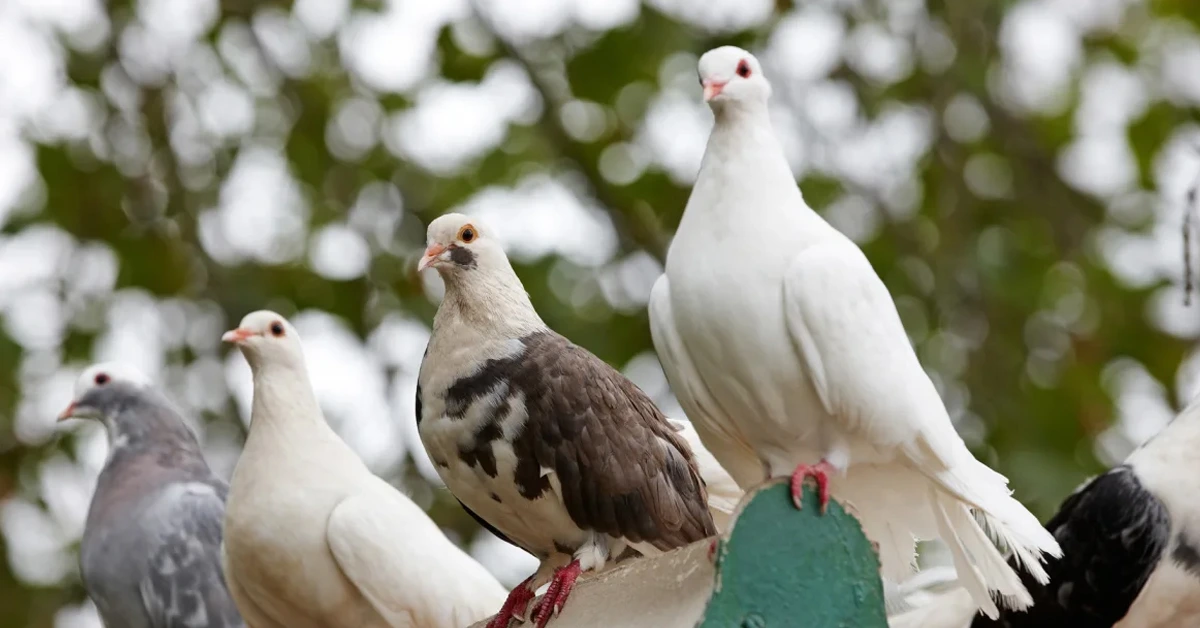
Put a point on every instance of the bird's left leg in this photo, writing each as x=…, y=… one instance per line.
x=514, y=606
x=591, y=555
x=555, y=598
x=819, y=472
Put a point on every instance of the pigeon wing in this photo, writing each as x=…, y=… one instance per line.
x=425, y=580
x=849, y=337
x=184, y=585
x=622, y=469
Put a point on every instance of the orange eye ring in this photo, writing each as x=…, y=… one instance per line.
x=468, y=234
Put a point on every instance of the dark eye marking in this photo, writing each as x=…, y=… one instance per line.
x=101, y=379
x=743, y=69
x=462, y=257
x=277, y=329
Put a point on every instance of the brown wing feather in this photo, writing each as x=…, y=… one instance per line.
x=624, y=470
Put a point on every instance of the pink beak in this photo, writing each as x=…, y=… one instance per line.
x=236, y=335
x=431, y=256
x=66, y=414
x=712, y=89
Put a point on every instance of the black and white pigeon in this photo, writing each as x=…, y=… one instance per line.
x=150, y=555
x=550, y=447
x=1131, y=548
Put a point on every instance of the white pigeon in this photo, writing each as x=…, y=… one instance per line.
x=786, y=351
x=312, y=537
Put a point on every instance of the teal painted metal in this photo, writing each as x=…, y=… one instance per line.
x=784, y=568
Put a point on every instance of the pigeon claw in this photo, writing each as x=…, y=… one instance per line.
x=556, y=595
x=818, y=472
x=514, y=606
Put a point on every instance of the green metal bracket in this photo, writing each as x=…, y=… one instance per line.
x=779, y=567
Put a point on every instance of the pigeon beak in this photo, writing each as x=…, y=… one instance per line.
x=712, y=89
x=431, y=255
x=68, y=413
x=236, y=336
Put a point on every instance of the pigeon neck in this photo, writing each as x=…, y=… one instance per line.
x=283, y=396
x=140, y=422
x=742, y=116
x=493, y=303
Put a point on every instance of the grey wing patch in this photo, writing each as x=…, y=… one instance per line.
x=184, y=586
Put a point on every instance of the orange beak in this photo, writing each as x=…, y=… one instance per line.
x=236, y=336
x=431, y=256
x=712, y=89
x=68, y=413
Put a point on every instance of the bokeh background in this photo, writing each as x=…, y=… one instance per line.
x=1017, y=172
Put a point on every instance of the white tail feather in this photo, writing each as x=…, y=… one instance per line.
x=998, y=519
x=968, y=574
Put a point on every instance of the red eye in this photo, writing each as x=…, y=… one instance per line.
x=743, y=69
x=101, y=379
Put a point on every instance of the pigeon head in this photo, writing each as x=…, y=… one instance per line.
x=102, y=390
x=456, y=244
x=482, y=288
x=266, y=335
x=731, y=75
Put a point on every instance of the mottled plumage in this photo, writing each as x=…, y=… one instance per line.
x=621, y=467
x=150, y=555
x=547, y=444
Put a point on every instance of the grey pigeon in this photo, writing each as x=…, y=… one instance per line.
x=152, y=544
x=539, y=439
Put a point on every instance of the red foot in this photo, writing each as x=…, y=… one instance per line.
x=819, y=472
x=712, y=549
x=514, y=606
x=556, y=595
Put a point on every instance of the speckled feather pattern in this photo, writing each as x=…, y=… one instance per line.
x=623, y=469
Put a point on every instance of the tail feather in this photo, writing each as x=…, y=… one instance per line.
x=1007, y=522
x=997, y=574
x=980, y=514
x=968, y=574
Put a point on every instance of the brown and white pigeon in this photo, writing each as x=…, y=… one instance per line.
x=313, y=539
x=786, y=351
x=150, y=556
x=548, y=446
